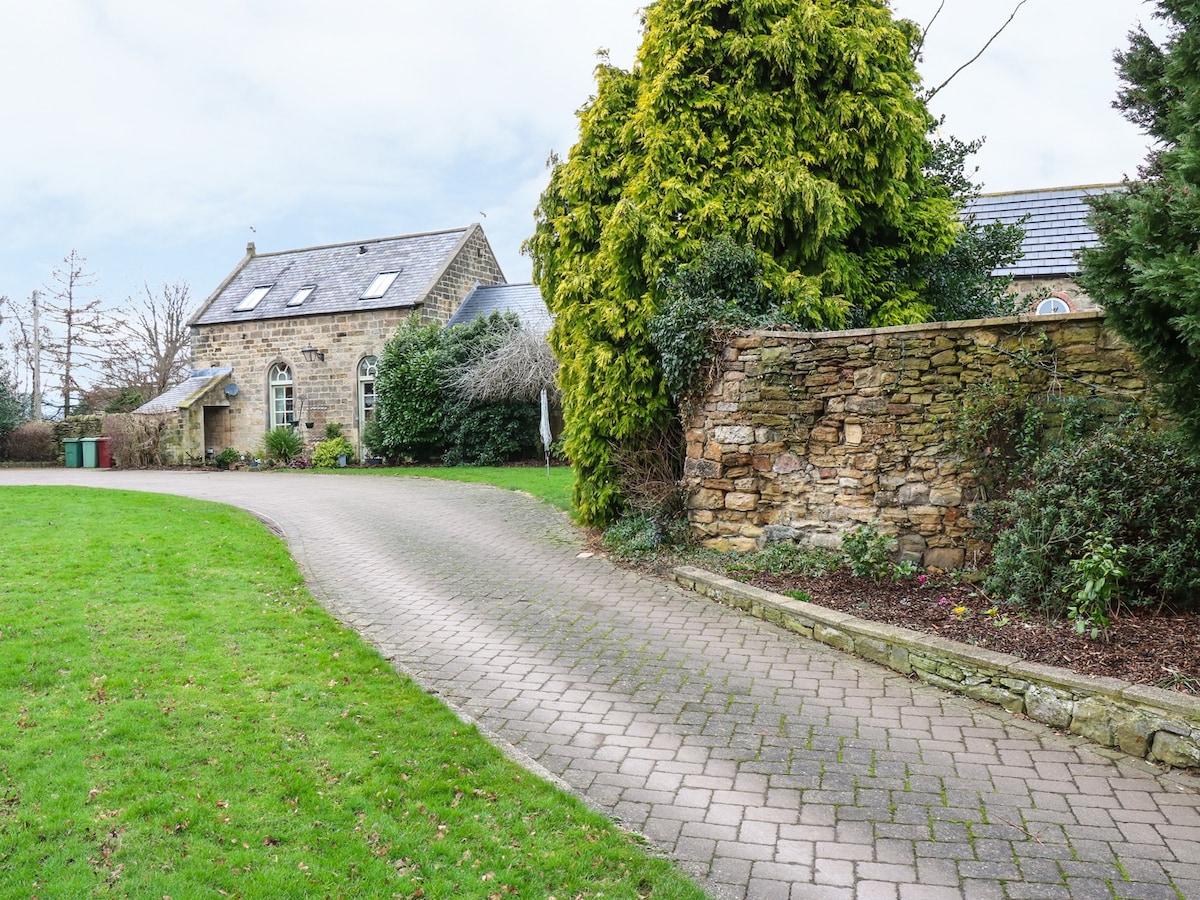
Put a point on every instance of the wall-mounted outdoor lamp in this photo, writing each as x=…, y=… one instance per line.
x=311, y=353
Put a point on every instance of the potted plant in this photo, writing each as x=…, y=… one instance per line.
x=335, y=450
x=227, y=458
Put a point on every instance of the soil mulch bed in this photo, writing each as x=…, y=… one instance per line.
x=1143, y=648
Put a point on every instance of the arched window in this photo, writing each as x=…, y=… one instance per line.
x=366, y=389
x=280, y=397
x=1056, y=304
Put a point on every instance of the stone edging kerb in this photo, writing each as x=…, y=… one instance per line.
x=1149, y=723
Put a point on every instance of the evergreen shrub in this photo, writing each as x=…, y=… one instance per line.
x=282, y=444
x=421, y=413
x=1128, y=484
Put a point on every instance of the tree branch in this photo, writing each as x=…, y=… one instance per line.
x=933, y=93
x=916, y=53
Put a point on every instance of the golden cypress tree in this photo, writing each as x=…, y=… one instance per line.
x=793, y=126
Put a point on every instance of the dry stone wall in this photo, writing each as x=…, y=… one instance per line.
x=807, y=435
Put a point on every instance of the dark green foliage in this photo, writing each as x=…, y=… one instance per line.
x=1145, y=270
x=408, y=404
x=1002, y=427
x=959, y=283
x=868, y=553
x=372, y=438
x=719, y=291
x=226, y=458
x=784, y=558
x=641, y=536
x=125, y=400
x=489, y=434
x=999, y=429
x=795, y=128
x=282, y=444
x=420, y=415
x=1128, y=484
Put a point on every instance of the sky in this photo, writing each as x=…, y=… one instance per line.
x=157, y=138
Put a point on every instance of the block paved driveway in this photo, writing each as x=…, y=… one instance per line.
x=767, y=765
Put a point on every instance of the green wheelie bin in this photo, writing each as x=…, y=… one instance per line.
x=72, y=453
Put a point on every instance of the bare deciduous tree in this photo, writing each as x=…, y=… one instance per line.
x=518, y=369
x=80, y=341
x=20, y=347
x=151, y=344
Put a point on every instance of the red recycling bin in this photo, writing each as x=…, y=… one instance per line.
x=103, y=453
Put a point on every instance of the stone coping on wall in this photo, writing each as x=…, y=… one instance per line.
x=931, y=327
x=1146, y=722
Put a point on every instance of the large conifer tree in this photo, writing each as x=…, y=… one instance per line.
x=1146, y=269
x=790, y=125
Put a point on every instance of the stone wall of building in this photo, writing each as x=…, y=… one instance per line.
x=325, y=390
x=1064, y=286
x=474, y=263
x=807, y=435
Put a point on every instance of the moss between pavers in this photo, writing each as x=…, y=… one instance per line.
x=1146, y=722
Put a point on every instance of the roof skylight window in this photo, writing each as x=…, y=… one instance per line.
x=301, y=295
x=253, y=299
x=379, y=286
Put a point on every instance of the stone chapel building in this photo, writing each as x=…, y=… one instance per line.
x=293, y=338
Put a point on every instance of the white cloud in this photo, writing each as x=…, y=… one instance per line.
x=153, y=136
x=1041, y=94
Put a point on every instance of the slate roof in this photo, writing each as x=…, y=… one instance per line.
x=1054, y=232
x=523, y=299
x=198, y=382
x=339, y=275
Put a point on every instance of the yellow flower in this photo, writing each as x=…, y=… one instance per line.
x=959, y=610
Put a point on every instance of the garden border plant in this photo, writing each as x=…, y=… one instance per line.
x=333, y=452
x=1118, y=488
x=282, y=445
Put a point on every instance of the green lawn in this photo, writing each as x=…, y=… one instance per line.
x=178, y=718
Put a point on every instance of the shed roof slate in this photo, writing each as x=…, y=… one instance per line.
x=1055, y=231
x=339, y=275
x=523, y=299
x=197, y=383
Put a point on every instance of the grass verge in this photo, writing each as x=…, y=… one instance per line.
x=553, y=488
x=179, y=718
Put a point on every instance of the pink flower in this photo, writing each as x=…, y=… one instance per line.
x=921, y=579
x=943, y=600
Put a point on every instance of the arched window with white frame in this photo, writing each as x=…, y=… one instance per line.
x=368, y=367
x=281, y=397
